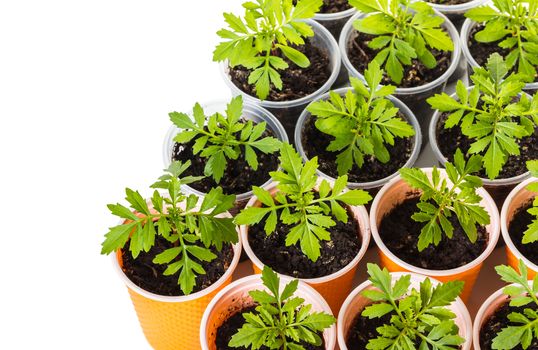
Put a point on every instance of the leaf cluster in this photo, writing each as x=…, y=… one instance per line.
x=282, y=320
x=440, y=199
x=222, y=137
x=362, y=123
x=404, y=30
x=268, y=27
x=523, y=326
x=514, y=24
x=494, y=113
x=177, y=218
x=295, y=203
x=531, y=234
x=418, y=316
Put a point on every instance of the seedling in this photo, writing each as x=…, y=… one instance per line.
x=514, y=24
x=404, y=30
x=440, y=199
x=269, y=27
x=494, y=114
x=222, y=137
x=362, y=123
x=524, y=326
x=418, y=316
x=296, y=203
x=282, y=320
x=531, y=234
x=191, y=229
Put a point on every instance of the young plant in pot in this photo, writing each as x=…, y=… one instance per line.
x=506, y=27
x=234, y=147
x=439, y=223
x=404, y=311
x=174, y=252
x=417, y=47
x=284, y=314
x=361, y=132
x=519, y=222
x=307, y=227
x=492, y=118
x=275, y=56
x=508, y=319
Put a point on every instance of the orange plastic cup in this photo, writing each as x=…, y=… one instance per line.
x=355, y=303
x=172, y=323
x=334, y=287
x=395, y=192
x=515, y=200
x=235, y=298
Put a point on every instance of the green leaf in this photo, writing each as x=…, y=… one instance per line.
x=295, y=56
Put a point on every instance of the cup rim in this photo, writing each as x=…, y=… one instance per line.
x=332, y=49
x=494, y=233
x=323, y=17
x=455, y=58
x=504, y=223
x=457, y=8
x=411, y=118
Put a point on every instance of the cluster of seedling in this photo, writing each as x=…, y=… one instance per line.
x=495, y=114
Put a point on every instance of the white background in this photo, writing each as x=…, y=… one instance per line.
x=85, y=91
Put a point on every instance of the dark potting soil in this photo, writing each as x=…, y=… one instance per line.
x=519, y=224
x=400, y=234
x=448, y=2
x=315, y=143
x=481, y=51
x=334, y=6
x=297, y=82
x=238, y=177
x=271, y=249
x=149, y=276
x=449, y=140
x=499, y=320
x=415, y=74
x=235, y=322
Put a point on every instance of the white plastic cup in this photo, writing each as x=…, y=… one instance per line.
x=456, y=12
x=252, y=112
x=355, y=303
x=372, y=186
x=235, y=297
x=414, y=98
x=287, y=112
x=498, y=188
x=334, y=22
x=468, y=25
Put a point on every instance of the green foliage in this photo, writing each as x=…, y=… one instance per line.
x=223, y=137
x=268, y=27
x=362, y=123
x=441, y=198
x=523, y=327
x=296, y=201
x=496, y=124
x=418, y=315
x=531, y=234
x=514, y=23
x=404, y=30
x=281, y=320
x=178, y=221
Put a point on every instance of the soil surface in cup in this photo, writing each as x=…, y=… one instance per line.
x=230, y=327
x=149, y=276
x=271, y=249
x=315, y=143
x=499, y=320
x=334, y=6
x=481, y=51
x=238, y=177
x=415, y=74
x=448, y=2
x=297, y=82
x=519, y=224
x=449, y=140
x=400, y=234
